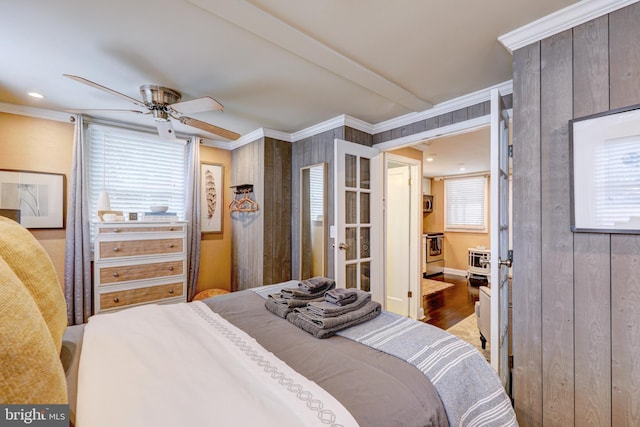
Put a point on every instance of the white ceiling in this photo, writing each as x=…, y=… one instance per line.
x=278, y=64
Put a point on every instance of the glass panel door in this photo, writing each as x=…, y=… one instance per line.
x=353, y=215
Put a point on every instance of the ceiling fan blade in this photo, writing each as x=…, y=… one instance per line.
x=165, y=129
x=106, y=89
x=98, y=110
x=206, y=103
x=227, y=134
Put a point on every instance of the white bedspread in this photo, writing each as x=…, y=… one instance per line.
x=183, y=365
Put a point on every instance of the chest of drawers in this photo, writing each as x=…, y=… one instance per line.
x=139, y=263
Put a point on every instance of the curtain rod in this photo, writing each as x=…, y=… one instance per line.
x=464, y=175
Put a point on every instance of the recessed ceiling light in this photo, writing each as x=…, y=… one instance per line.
x=429, y=159
x=463, y=169
x=36, y=95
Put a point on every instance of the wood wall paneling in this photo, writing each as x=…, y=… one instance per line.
x=556, y=106
x=624, y=33
x=625, y=334
x=591, y=251
x=247, y=228
x=527, y=241
x=577, y=295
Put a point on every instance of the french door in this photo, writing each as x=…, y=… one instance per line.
x=357, y=243
x=501, y=256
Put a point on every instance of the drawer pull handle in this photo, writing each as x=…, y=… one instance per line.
x=170, y=228
x=116, y=299
x=116, y=230
x=116, y=274
x=170, y=291
x=116, y=249
x=170, y=268
x=171, y=245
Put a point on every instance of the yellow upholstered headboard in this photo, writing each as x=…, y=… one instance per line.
x=32, y=320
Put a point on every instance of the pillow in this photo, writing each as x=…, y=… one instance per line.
x=30, y=368
x=29, y=261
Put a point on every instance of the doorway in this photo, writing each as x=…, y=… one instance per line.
x=403, y=199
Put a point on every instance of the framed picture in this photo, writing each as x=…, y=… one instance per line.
x=39, y=196
x=605, y=172
x=211, y=197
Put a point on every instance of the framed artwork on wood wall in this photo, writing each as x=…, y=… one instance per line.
x=604, y=154
x=211, y=197
x=38, y=196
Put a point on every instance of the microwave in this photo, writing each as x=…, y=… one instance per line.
x=427, y=203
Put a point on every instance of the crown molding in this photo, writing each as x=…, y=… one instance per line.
x=319, y=128
x=464, y=101
x=454, y=129
x=563, y=19
x=39, y=113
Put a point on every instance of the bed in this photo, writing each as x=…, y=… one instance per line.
x=227, y=361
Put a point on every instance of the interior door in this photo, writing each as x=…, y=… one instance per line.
x=397, y=238
x=500, y=251
x=356, y=245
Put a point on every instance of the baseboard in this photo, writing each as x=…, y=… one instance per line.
x=455, y=272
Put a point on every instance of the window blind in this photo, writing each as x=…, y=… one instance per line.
x=617, y=180
x=466, y=204
x=137, y=170
x=316, y=184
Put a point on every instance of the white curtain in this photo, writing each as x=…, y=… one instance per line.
x=192, y=214
x=77, y=263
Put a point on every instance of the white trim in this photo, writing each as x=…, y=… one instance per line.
x=39, y=113
x=563, y=19
x=457, y=128
x=474, y=98
x=455, y=272
x=464, y=101
x=319, y=128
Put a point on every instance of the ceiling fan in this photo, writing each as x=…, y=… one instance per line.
x=164, y=103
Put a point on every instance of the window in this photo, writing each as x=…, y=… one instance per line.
x=466, y=204
x=136, y=169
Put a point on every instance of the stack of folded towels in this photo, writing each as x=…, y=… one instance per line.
x=340, y=309
x=310, y=290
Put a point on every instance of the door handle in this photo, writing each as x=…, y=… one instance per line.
x=343, y=246
x=507, y=262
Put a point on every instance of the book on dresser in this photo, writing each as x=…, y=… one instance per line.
x=139, y=262
x=160, y=216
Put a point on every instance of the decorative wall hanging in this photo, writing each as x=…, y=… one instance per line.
x=605, y=172
x=211, y=197
x=39, y=196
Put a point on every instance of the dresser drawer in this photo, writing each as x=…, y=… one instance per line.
x=118, y=299
x=127, y=248
x=111, y=230
x=125, y=273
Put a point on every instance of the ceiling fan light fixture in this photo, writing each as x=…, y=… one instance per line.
x=153, y=94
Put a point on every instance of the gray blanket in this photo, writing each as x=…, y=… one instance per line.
x=378, y=389
x=468, y=386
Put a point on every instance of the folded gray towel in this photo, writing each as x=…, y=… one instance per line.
x=341, y=296
x=316, y=284
x=331, y=322
x=299, y=293
x=293, y=302
x=281, y=310
x=370, y=311
x=329, y=309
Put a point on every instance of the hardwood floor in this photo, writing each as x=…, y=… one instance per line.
x=447, y=307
